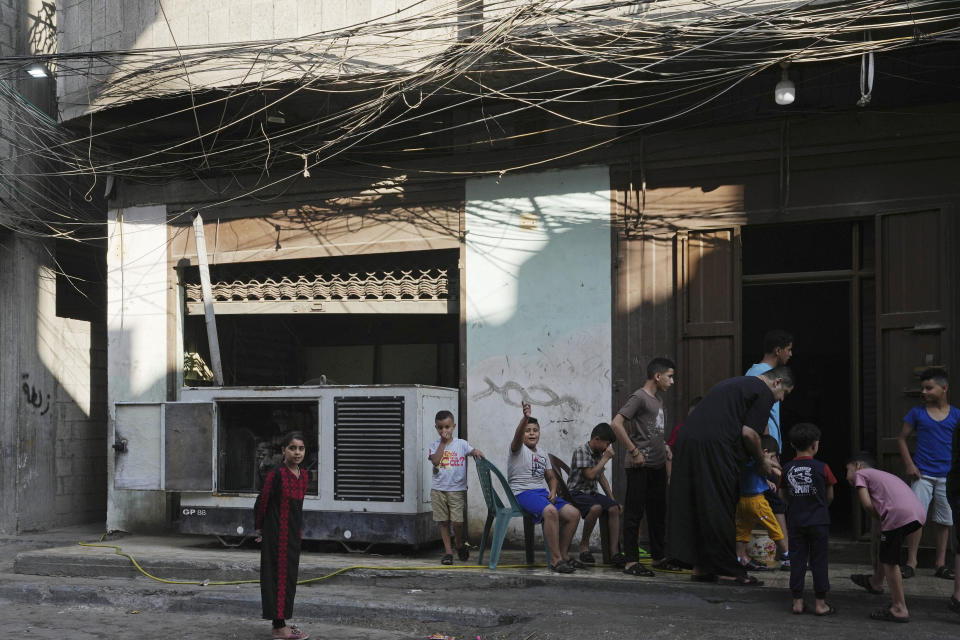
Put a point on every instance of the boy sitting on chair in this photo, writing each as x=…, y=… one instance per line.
x=526, y=470
x=586, y=470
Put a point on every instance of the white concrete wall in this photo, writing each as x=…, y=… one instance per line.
x=136, y=343
x=110, y=25
x=51, y=407
x=538, y=319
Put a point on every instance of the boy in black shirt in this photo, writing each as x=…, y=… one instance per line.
x=808, y=490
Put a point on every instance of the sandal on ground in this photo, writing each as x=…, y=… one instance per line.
x=639, y=570
x=463, y=553
x=863, y=580
x=619, y=560
x=703, y=577
x=576, y=564
x=906, y=571
x=805, y=609
x=295, y=634
x=885, y=615
x=944, y=572
x=666, y=565
x=753, y=565
x=831, y=610
x=743, y=581
x=954, y=605
x=562, y=567
x=447, y=559
x=587, y=558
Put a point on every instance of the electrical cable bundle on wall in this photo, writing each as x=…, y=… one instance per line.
x=549, y=57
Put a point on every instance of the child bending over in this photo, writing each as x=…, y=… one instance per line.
x=896, y=513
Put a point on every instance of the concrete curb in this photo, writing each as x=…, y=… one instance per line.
x=76, y=565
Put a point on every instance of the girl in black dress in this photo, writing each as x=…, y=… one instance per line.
x=279, y=520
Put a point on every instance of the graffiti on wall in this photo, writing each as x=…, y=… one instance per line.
x=514, y=394
x=35, y=398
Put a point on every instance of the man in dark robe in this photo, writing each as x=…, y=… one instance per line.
x=716, y=440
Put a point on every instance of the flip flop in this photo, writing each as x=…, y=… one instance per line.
x=805, y=609
x=885, y=615
x=829, y=612
x=295, y=634
x=447, y=559
x=954, y=605
x=863, y=580
x=703, y=577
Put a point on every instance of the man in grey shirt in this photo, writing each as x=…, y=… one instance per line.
x=639, y=426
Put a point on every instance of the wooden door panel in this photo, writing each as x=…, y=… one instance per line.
x=708, y=297
x=912, y=262
x=913, y=317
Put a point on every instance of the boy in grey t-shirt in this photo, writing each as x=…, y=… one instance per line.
x=448, y=488
x=527, y=468
x=639, y=426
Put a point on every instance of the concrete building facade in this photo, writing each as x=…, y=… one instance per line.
x=53, y=469
x=567, y=260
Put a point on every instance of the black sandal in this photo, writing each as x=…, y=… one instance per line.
x=639, y=570
x=944, y=572
x=562, y=567
x=863, y=580
x=885, y=615
x=447, y=559
x=666, y=565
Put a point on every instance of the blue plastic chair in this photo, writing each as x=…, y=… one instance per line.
x=499, y=516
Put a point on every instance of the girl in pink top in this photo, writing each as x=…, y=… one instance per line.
x=896, y=513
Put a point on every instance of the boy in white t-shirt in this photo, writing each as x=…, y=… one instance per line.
x=448, y=492
x=527, y=469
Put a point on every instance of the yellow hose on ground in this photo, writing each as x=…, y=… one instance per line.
x=208, y=583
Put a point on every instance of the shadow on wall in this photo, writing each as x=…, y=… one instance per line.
x=538, y=308
x=54, y=369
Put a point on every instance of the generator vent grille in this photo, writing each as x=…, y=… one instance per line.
x=368, y=448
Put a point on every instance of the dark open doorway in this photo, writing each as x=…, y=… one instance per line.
x=818, y=315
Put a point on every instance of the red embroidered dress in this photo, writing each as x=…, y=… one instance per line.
x=279, y=517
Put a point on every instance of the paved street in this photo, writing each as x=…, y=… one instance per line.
x=652, y=610
x=63, y=590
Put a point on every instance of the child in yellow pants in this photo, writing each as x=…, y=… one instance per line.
x=753, y=509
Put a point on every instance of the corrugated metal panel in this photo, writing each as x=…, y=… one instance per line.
x=368, y=448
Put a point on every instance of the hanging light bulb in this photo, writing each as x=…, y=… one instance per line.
x=785, y=92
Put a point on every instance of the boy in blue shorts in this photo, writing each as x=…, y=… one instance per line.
x=808, y=491
x=586, y=470
x=934, y=422
x=527, y=468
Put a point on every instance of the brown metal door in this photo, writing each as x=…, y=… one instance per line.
x=914, y=322
x=708, y=309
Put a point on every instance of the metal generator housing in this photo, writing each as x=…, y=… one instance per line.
x=367, y=449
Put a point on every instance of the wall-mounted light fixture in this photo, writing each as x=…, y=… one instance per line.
x=785, y=92
x=37, y=71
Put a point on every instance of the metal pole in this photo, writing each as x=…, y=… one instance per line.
x=208, y=302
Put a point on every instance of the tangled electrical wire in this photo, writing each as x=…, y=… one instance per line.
x=408, y=91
